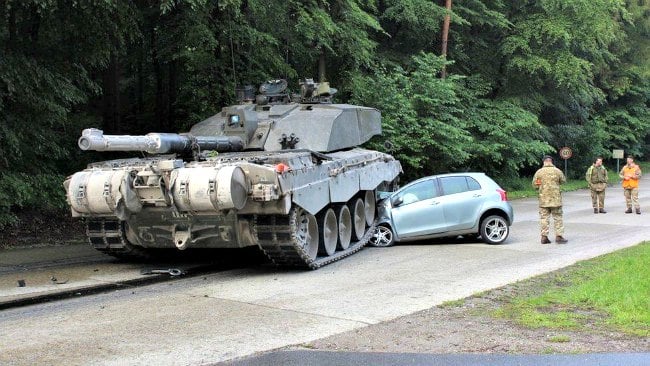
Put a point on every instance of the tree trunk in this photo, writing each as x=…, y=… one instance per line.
x=11, y=26
x=34, y=24
x=140, y=83
x=172, y=82
x=445, y=35
x=3, y=17
x=111, y=96
x=157, y=70
x=321, y=66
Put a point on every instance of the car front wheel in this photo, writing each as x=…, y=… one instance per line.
x=382, y=237
x=494, y=229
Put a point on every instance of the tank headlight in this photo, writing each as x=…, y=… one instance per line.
x=233, y=120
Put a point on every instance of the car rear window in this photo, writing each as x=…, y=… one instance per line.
x=473, y=184
x=453, y=185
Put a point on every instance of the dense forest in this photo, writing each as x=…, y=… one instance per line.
x=513, y=80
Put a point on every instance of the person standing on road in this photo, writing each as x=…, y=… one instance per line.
x=597, y=178
x=547, y=181
x=630, y=175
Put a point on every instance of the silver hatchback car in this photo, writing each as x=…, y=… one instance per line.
x=444, y=205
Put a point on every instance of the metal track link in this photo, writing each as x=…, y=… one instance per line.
x=107, y=236
x=276, y=236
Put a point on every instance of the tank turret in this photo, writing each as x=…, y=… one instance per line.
x=278, y=171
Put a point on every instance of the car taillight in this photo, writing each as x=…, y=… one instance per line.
x=503, y=194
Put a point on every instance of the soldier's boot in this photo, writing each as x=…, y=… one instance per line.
x=545, y=240
x=602, y=210
x=629, y=210
x=595, y=210
x=638, y=211
x=560, y=240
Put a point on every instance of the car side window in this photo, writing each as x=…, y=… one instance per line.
x=473, y=184
x=418, y=192
x=453, y=185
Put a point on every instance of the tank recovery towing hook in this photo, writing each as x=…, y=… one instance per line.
x=171, y=271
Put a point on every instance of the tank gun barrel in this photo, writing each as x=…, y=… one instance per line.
x=157, y=143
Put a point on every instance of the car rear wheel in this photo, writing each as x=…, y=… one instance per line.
x=494, y=229
x=382, y=237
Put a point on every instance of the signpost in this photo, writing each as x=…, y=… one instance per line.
x=566, y=153
x=618, y=154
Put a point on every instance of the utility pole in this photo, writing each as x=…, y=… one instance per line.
x=445, y=35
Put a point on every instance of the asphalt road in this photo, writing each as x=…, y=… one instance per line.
x=231, y=314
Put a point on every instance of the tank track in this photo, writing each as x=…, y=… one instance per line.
x=276, y=236
x=107, y=236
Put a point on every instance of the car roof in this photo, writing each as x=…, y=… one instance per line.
x=468, y=174
x=480, y=176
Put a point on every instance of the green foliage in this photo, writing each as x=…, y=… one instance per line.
x=438, y=125
x=420, y=114
x=555, y=47
x=45, y=72
x=22, y=190
x=507, y=137
x=526, y=78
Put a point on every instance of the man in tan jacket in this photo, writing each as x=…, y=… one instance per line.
x=597, y=178
x=547, y=181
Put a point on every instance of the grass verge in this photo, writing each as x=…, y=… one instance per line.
x=610, y=292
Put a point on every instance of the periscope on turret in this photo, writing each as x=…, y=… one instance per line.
x=277, y=171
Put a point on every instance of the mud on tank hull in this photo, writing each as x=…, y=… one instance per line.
x=302, y=208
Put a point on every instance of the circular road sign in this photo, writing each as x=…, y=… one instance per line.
x=566, y=153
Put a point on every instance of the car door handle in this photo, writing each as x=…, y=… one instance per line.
x=435, y=203
x=477, y=195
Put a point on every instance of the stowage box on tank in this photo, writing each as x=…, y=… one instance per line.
x=271, y=172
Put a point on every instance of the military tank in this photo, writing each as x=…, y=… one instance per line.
x=278, y=171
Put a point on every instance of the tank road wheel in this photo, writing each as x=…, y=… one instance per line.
x=328, y=232
x=306, y=231
x=370, y=204
x=344, y=220
x=358, y=213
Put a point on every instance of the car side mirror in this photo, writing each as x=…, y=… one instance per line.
x=397, y=201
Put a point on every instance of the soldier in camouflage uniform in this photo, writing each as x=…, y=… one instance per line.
x=596, y=176
x=547, y=181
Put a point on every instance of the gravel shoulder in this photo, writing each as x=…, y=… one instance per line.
x=467, y=326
